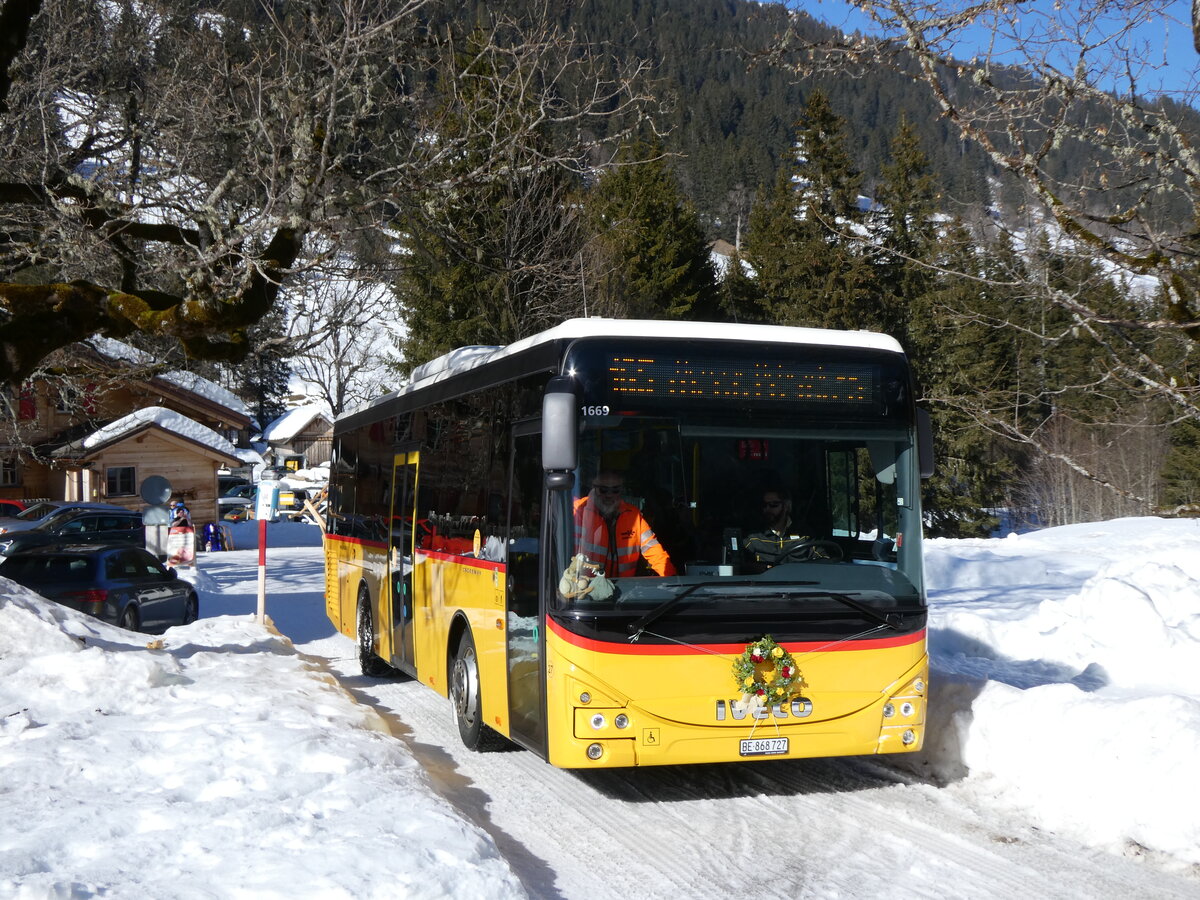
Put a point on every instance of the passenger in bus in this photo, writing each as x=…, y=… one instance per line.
x=613, y=534
x=780, y=538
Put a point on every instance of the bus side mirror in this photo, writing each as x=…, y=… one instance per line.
x=925, y=442
x=560, y=432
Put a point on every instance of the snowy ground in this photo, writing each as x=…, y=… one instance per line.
x=233, y=762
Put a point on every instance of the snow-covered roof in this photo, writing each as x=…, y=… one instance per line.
x=457, y=360
x=466, y=358
x=166, y=419
x=248, y=456
x=209, y=390
x=119, y=351
x=291, y=423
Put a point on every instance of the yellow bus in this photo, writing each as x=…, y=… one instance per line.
x=629, y=543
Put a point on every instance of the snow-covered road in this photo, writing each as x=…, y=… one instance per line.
x=859, y=827
x=810, y=828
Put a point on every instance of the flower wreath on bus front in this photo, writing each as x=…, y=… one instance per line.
x=766, y=675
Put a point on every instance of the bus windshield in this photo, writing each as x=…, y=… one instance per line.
x=757, y=509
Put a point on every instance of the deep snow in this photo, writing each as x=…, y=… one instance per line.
x=230, y=762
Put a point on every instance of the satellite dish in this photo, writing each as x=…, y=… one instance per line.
x=156, y=490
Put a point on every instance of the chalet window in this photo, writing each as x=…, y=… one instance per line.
x=68, y=400
x=121, y=481
x=10, y=474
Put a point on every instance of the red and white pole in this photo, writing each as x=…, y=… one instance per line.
x=262, y=570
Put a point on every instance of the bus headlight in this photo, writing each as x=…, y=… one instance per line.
x=906, y=709
x=594, y=751
x=908, y=738
x=621, y=721
x=888, y=710
x=598, y=721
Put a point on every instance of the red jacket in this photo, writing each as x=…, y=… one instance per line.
x=633, y=538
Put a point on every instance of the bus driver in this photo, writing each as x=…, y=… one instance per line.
x=613, y=534
x=780, y=539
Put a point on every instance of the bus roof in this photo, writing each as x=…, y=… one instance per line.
x=465, y=359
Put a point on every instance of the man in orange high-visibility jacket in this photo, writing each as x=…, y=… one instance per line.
x=613, y=534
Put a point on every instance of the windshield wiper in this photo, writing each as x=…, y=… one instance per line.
x=635, y=629
x=890, y=620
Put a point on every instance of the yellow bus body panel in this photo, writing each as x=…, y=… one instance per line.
x=671, y=698
x=451, y=587
x=349, y=564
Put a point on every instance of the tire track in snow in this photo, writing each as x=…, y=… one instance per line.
x=788, y=829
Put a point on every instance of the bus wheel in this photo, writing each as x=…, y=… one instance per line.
x=464, y=694
x=370, y=664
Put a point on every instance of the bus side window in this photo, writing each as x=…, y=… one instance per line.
x=524, y=542
x=842, y=474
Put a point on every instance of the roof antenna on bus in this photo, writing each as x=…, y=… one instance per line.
x=583, y=284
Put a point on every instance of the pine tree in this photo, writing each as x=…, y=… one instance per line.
x=262, y=378
x=649, y=252
x=803, y=240
x=903, y=228
x=488, y=260
x=964, y=359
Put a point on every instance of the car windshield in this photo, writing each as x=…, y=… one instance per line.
x=56, y=519
x=36, y=511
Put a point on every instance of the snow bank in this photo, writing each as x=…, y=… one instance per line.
x=1067, y=677
x=218, y=762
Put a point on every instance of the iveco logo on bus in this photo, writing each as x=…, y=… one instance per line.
x=800, y=708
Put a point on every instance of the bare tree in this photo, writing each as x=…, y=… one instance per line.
x=167, y=169
x=1084, y=78
x=1078, y=73
x=342, y=336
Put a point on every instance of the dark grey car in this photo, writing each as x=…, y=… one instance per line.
x=90, y=526
x=123, y=585
x=46, y=511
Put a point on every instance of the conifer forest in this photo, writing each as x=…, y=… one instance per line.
x=342, y=191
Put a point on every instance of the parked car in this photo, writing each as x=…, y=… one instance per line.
x=226, y=482
x=11, y=508
x=45, y=511
x=87, y=525
x=120, y=584
x=238, y=497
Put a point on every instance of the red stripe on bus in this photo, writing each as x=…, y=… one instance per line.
x=639, y=649
x=428, y=554
x=462, y=560
x=382, y=545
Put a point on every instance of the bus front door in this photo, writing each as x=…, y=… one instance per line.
x=525, y=641
x=401, y=543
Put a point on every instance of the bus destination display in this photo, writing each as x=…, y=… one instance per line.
x=649, y=377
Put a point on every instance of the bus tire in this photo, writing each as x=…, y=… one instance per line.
x=468, y=705
x=370, y=663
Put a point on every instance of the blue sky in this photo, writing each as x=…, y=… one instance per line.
x=1161, y=45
